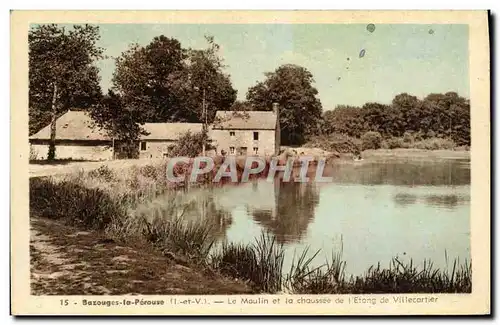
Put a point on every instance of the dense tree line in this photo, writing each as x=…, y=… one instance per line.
x=164, y=82
x=437, y=115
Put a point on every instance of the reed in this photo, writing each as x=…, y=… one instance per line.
x=260, y=263
x=106, y=200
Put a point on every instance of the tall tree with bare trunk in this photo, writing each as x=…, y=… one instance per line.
x=62, y=73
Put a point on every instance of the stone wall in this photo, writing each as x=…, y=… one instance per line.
x=74, y=151
x=155, y=149
x=223, y=140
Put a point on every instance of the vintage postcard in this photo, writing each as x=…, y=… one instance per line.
x=250, y=162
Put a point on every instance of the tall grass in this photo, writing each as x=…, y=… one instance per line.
x=260, y=263
x=407, y=278
x=326, y=278
x=95, y=201
x=77, y=205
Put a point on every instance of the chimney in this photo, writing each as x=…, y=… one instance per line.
x=276, y=108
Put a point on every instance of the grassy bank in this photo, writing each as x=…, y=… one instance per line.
x=106, y=204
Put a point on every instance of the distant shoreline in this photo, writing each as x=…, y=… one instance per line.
x=416, y=153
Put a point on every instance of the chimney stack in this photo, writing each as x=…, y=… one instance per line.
x=276, y=108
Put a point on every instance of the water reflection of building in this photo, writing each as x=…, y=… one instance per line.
x=291, y=212
x=206, y=210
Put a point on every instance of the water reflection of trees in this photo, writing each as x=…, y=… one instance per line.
x=404, y=173
x=294, y=209
x=447, y=201
x=405, y=199
x=206, y=209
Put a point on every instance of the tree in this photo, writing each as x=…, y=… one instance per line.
x=376, y=118
x=345, y=120
x=163, y=82
x=241, y=106
x=61, y=73
x=144, y=76
x=300, y=110
x=113, y=116
x=451, y=114
x=403, y=114
x=208, y=83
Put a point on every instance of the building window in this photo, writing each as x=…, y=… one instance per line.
x=231, y=150
x=143, y=145
x=255, y=150
x=232, y=133
x=243, y=151
x=256, y=136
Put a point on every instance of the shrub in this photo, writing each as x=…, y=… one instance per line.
x=33, y=154
x=408, y=138
x=335, y=142
x=189, y=145
x=394, y=143
x=85, y=207
x=371, y=140
x=435, y=144
x=149, y=172
x=103, y=172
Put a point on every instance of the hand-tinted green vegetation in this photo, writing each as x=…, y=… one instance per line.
x=439, y=121
x=106, y=201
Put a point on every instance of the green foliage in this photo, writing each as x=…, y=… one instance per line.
x=62, y=58
x=291, y=86
x=112, y=115
x=190, y=239
x=408, y=138
x=335, y=142
x=413, y=119
x=344, y=120
x=33, y=154
x=188, y=145
x=163, y=82
x=394, y=143
x=260, y=263
x=75, y=204
x=149, y=171
x=371, y=140
x=435, y=144
x=103, y=172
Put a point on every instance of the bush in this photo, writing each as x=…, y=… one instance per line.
x=189, y=145
x=394, y=143
x=33, y=154
x=371, y=140
x=103, y=172
x=335, y=142
x=408, y=138
x=85, y=207
x=149, y=172
x=435, y=144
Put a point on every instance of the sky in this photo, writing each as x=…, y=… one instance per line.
x=416, y=59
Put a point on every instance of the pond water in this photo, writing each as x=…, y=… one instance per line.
x=373, y=211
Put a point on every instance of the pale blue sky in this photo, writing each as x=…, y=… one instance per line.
x=398, y=58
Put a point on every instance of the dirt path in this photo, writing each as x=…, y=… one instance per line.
x=65, y=261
